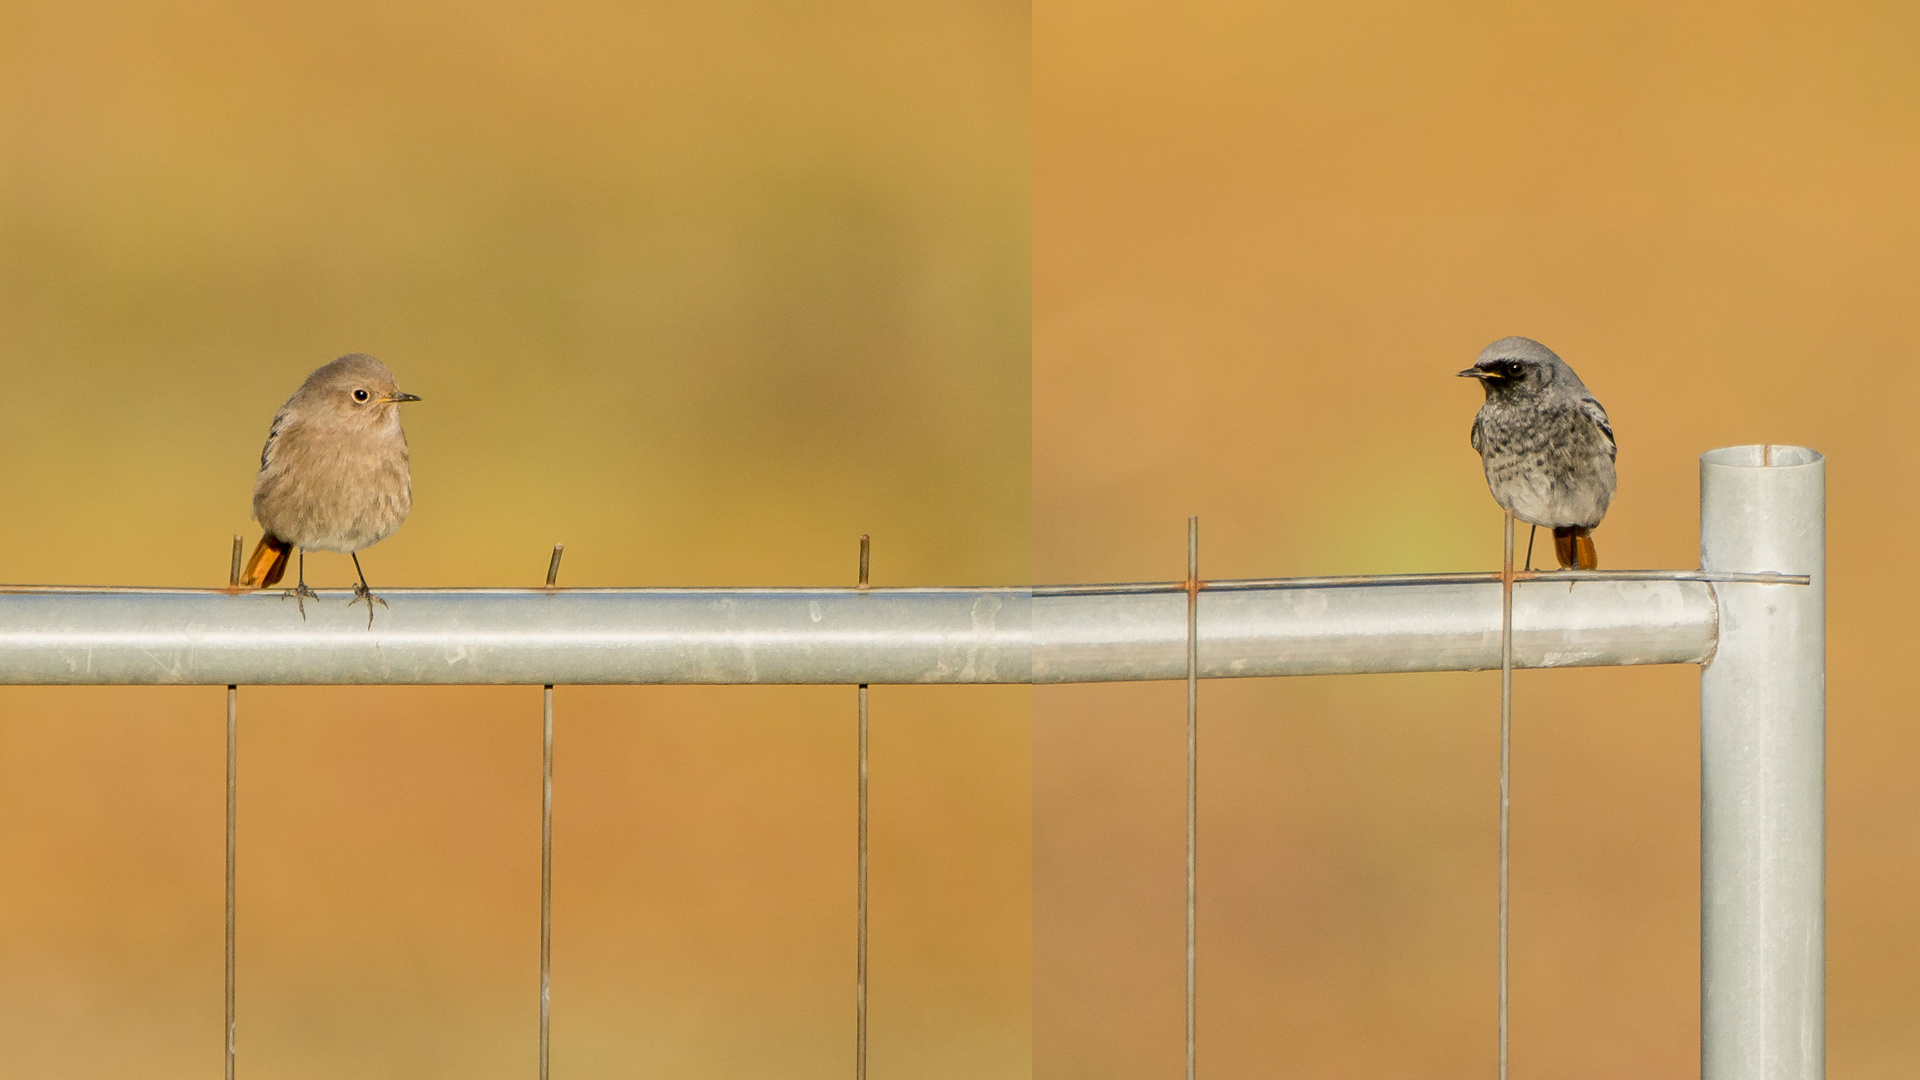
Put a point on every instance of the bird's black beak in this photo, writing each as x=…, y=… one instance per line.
x=397, y=398
x=1479, y=373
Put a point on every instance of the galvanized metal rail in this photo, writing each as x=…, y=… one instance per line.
x=517, y=636
x=84, y=636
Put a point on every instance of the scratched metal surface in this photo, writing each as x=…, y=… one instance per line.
x=532, y=636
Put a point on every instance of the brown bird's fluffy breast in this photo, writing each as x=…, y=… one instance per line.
x=333, y=486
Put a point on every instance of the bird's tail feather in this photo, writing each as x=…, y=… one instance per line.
x=268, y=564
x=1573, y=547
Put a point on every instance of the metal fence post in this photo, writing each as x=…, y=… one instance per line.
x=1763, y=770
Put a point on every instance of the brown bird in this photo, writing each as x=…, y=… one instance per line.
x=333, y=475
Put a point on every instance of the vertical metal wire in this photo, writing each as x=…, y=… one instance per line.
x=546, y=877
x=860, y=958
x=546, y=848
x=233, y=724
x=233, y=777
x=1193, y=766
x=1506, y=768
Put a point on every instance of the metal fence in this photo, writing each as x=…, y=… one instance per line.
x=1753, y=616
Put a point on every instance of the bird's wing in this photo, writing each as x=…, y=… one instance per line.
x=1599, y=417
x=1474, y=438
x=273, y=436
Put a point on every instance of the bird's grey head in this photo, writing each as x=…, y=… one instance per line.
x=1515, y=368
x=354, y=387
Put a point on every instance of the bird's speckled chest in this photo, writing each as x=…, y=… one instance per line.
x=1548, y=460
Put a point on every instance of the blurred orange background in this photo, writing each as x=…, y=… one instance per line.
x=1265, y=238
x=707, y=291
x=703, y=291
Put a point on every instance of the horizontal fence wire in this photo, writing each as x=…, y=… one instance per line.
x=1121, y=588
x=1135, y=588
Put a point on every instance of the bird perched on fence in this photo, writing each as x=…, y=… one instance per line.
x=333, y=475
x=1545, y=444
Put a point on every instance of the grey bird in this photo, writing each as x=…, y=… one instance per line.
x=333, y=475
x=1545, y=444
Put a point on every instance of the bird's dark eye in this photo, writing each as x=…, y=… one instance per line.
x=359, y=395
x=1515, y=370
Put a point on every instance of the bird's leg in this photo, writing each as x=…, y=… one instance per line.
x=300, y=593
x=361, y=592
x=1530, y=533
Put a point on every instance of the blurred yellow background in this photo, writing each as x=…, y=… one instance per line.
x=1265, y=237
x=703, y=291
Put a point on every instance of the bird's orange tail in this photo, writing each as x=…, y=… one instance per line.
x=1573, y=546
x=268, y=564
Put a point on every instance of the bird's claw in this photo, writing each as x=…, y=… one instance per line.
x=301, y=594
x=361, y=592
